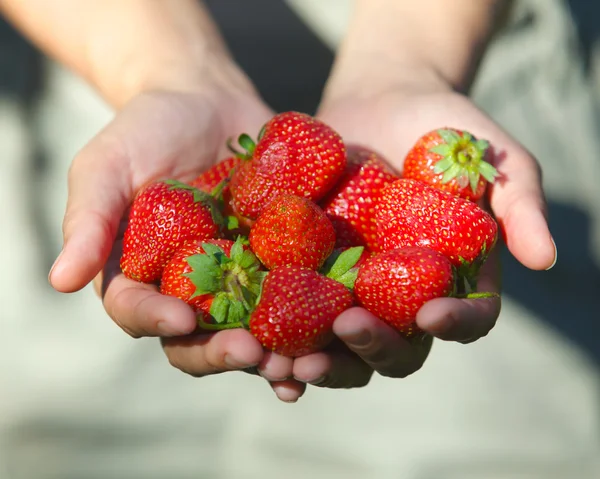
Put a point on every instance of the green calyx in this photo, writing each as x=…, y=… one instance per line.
x=478, y=295
x=468, y=272
x=234, y=281
x=207, y=199
x=248, y=145
x=463, y=159
x=340, y=266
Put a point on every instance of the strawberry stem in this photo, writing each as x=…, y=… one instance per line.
x=246, y=143
x=218, y=327
x=478, y=295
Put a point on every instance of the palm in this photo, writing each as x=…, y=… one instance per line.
x=158, y=135
x=391, y=123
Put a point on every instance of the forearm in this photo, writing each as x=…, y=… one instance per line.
x=123, y=47
x=393, y=38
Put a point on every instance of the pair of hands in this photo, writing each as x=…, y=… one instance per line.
x=181, y=133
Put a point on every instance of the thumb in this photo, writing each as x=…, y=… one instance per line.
x=99, y=192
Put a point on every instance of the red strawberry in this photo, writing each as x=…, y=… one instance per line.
x=215, y=175
x=295, y=154
x=163, y=215
x=292, y=230
x=219, y=278
x=395, y=284
x=350, y=205
x=451, y=160
x=297, y=307
x=412, y=213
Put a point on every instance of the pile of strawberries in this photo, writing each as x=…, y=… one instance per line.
x=283, y=237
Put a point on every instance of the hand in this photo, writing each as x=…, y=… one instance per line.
x=157, y=135
x=390, y=121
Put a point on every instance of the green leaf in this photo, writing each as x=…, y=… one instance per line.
x=237, y=251
x=452, y=172
x=176, y=184
x=202, y=262
x=449, y=136
x=345, y=261
x=199, y=195
x=488, y=171
x=205, y=274
x=442, y=149
x=473, y=179
x=237, y=312
x=219, y=309
x=203, y=197
x=247, y=143
x=216, y=252
x=248, y=260
x=232, y=223
x=256, y=281
x=217, y=191
x=348, y=278
x=482, y=145
x=443, y=165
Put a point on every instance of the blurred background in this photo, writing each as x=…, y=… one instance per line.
x=81, y=400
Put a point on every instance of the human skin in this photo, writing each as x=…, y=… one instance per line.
x=178, y=96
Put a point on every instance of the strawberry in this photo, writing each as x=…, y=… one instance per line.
x=215, y=181
x=163, y=215
x=215, y=175
x=295, y=154
x=395, y=284
x=292, y=230
x=220, y=279
x=350, y=205
x=451, y=160
x=412, y=213
x=297, y=307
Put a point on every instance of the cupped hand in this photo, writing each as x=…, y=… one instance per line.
x=390, y=122
x=157, y=135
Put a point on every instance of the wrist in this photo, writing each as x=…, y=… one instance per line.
x=403, y=41
x=213, y=73
x=372, y=77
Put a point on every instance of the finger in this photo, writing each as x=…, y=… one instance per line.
x=139, y=145
x=465, y=320
x=333, y=369
x=289, y=390
x=205, y=354
x=378, y=344
x=275, y=368
x=99, y=193
x=518, y=202
x=140, y=310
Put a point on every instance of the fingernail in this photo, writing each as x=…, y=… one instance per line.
x=358, y=339
x=235, y=363
x=555, y=256
x=56, y=261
